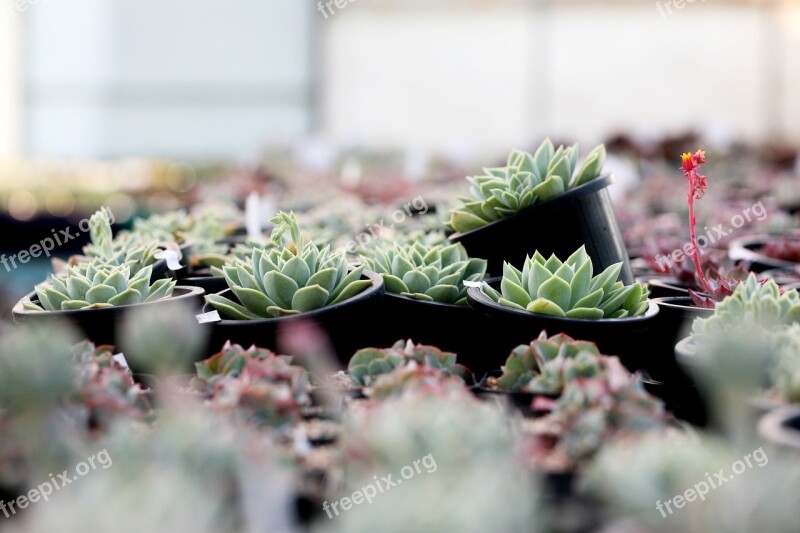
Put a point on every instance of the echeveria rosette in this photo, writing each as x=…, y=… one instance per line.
x=593, y=410
x=260, y=388
x=568, y=289
x=290, y=280
x=370, y=363
x=752, y=302
x=434, y=274
x=98, y=286
x=105, y=249
x=230, y=361
x=786, y=373
x=525, y=180
x=546, y=364
x=104, y=387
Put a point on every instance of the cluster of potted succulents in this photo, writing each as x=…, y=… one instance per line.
x=514, y=382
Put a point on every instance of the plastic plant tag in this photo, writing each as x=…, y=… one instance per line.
x=252, y=216
x=477, y=284
x=206, y=318
x=172, y=259
x=120, y=358
x=302, y=446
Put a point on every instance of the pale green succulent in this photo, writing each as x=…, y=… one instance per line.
x=525, y=180
x=786, y=374
x=97, y=286
x=287, y=280
x=122, y=251
x=204, y=230
x=545, y=365
x=550, y=287
x=752, y=302
x=435, y=273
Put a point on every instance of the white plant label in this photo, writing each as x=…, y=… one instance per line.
x=172, y=259
x=206, y=318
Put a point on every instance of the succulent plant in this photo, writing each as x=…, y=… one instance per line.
x=255, y=384
x=288, y=281
x=751, y=302
x=35, y=367
x=203, y=229
x=122, y=251
x=229, y=362
x=435, y=274
x=525, y=180
x=594, y=410
x=552, y=287
x=97, y=286
x=545, y=365
x=369, y=363
x=105, y=389
x=786, y=373
x=415, y=380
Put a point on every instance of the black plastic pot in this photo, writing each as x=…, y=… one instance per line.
x=561, y=225
x=101, y=325
x=673, y=323
x=204, y=278
x=677, y=387
x=344, y=323
x=627, y=338
x=782, y=427
x=747, y=249
x=666, y=287
x=452, y=328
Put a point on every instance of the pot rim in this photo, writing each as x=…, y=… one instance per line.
x=738, y=250
x=186, y=291
x=772, y=426
x=597, y=184
x=675, y=302
x=375, y=289
x=432, y=304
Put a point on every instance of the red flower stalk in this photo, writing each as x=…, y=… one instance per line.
x=697, y=188
x=719, y=287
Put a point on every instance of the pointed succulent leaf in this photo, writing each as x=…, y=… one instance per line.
x=100, y=294
x=310, y=298
x=543, y=306
x=126, y=297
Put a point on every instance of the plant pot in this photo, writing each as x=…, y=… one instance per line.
x=101, y=325
x=678, y=388
x=204, y=278
x=452, y=328
x=673, y=323
x=782, y=427
x=626, y=338
x=666, y=287
x=561, y=225
x=342, y=323
x=748, y=249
